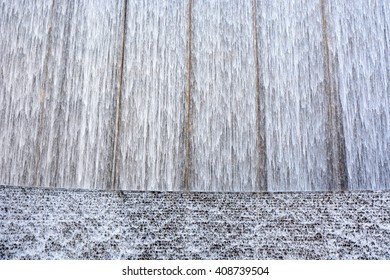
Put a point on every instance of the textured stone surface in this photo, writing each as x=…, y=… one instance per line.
x=71, y=224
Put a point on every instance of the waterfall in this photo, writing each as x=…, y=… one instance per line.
x=195, y=95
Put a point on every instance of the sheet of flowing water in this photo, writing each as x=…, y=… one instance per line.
x=223, y=121
x=292, y=82
x=151, y=143
x=360, y=47
x=78, y=123
x=61, y=91
x=23, y=48
x=281, y=95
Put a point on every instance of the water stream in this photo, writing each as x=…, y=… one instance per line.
x=195, y=95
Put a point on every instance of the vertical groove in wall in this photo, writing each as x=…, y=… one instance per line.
x=55, y=172
x=114, y=174
x=336, y=151
x=386, y=33
x=42, y=98
x=187, y=171
x=261, y=180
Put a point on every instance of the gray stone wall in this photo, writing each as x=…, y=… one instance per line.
x=75, y=224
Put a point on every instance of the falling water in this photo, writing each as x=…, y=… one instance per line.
x=24, y=29
x=360, y=44
x=76, y=129
x=292, y=82
x=195, y=95
x=151, y=141
x=223, y=90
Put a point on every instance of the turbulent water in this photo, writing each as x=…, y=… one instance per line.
x=195, y=95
